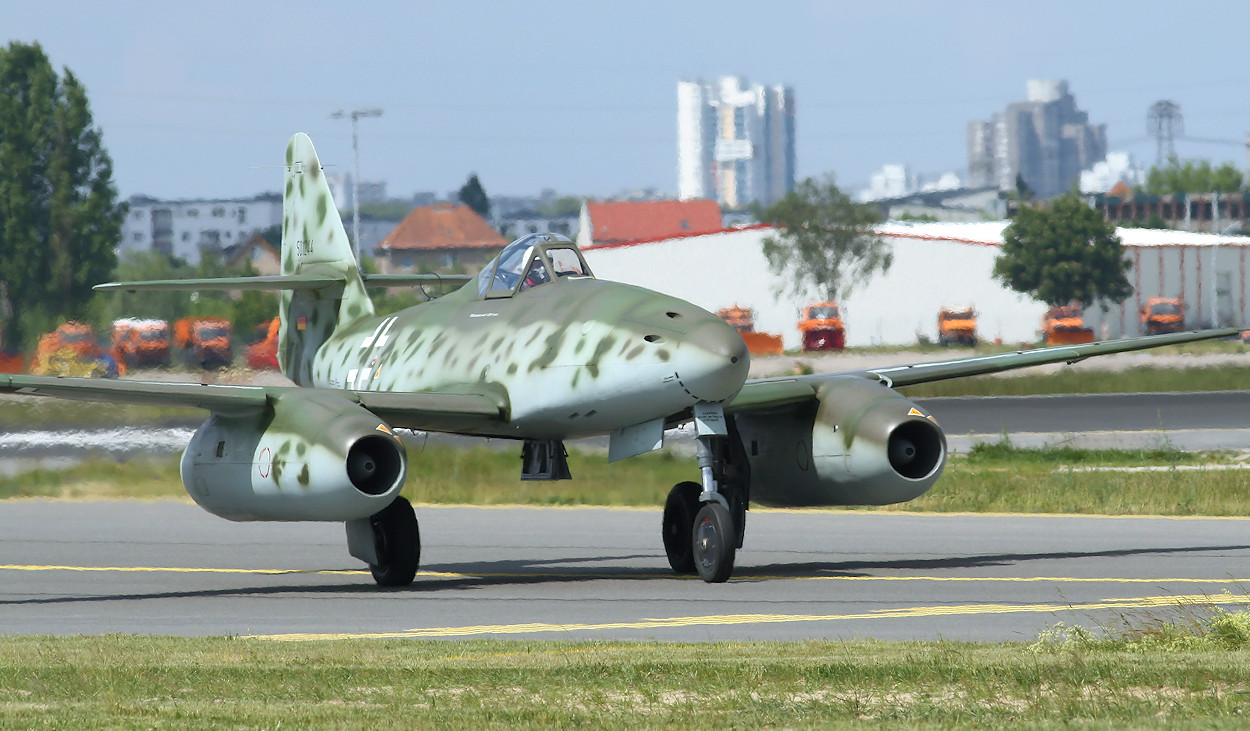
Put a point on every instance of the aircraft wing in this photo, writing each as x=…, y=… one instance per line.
x=770, y=392
x=451, y=412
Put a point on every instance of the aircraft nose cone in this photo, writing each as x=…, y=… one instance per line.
x=712, y=361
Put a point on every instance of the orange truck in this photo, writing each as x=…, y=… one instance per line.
x=72, y=350
x=1162, y=315
x=262, y=354
x=957, y=324
x=822, y=328
x=141, y=342
x=1066, y=326
x=204, y=342
x=742, y=319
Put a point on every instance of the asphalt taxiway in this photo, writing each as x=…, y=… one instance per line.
x=169, y=568
x=1193, y=421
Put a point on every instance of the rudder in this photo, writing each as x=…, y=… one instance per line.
x=314, y=241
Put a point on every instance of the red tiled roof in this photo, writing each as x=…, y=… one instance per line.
x=632, y=221
x=443, y=226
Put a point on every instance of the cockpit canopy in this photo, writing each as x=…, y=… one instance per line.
x=531, y=261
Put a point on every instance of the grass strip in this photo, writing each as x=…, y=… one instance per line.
x=84, y=682
x=994, y=477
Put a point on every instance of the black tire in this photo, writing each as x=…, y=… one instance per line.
x=712, y=543
x=678, y=527
x=398, y=541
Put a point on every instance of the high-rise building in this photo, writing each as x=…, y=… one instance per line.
x=1046, y=141
x=735, y=142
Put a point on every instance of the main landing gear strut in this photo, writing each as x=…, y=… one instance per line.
x=704, y=524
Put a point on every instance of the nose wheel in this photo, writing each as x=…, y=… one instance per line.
x=714, y=543
x=679, y=514
x=703, y=523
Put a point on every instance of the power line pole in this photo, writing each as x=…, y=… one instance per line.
x=1165, y=124
x=355, y=115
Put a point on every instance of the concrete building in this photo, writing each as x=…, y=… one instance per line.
x=935, y=264
x=735, y=143
x=613, y=222
x=189, y=229
x=439, y=238
x=1210, y=212
x=264, y=257
x=519, y=223
x=371, y=191
x=1046, y=140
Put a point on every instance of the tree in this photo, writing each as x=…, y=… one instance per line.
x=565, y=205
x=474, y=196
x=60, y=220
x=1064, y=253
x=825, y=239
x=1193, y=177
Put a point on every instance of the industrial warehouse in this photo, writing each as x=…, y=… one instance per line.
x=935, y=265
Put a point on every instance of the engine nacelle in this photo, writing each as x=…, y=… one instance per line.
x=314, y=456
x=861, y=444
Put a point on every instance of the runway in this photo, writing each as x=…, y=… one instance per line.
x=1192, y=421
x=551, y=573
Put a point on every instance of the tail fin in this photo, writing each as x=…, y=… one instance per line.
x=313, y=242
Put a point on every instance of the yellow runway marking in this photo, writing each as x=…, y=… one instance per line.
x=722, y=620
x=728, y=619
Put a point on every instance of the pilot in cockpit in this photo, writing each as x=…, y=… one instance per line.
x=536, y=275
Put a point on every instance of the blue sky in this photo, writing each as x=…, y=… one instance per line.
x=198, y=100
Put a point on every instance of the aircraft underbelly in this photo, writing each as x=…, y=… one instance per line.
x=549, y=402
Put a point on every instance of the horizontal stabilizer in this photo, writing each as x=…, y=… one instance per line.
x=276, y=282
x=282, y=282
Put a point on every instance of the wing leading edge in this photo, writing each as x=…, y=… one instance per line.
x=451, y=412
x=769, y=392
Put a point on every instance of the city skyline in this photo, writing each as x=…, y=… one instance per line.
x=198, y=101
x=735, y=141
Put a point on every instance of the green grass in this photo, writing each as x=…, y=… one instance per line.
x=992, y=478
x=1001, y=478
x=98, y=478
x=25, y=412
x=235, y=682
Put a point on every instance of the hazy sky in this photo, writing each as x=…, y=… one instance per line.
x=198, y=100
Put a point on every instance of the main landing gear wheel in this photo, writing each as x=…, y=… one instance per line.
x=398, y=543
x=714, y=543
x=678, y=528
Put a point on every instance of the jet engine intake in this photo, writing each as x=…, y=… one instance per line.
x=860, y=443
x=314, y=455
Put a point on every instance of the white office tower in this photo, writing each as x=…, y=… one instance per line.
x=735, y=143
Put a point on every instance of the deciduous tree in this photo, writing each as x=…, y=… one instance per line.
x=59, y=216
x=824, y=239
x=1063, y=253
x=1193, y=176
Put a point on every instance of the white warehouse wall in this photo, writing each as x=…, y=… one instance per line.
x=935, y=264
x=723, y=269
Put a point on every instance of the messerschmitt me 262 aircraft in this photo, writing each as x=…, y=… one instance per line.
x=535, y=349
